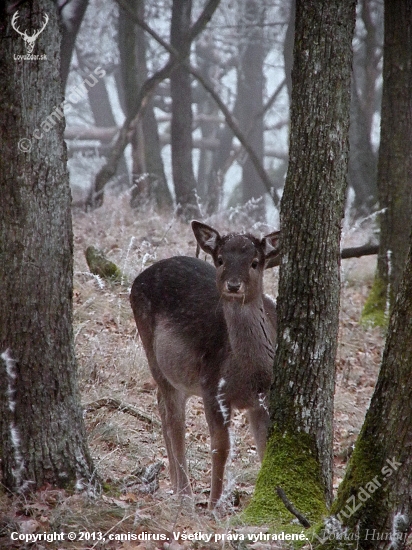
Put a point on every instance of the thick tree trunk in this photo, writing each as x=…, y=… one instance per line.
x=374, y=500
x=395, y=152
x=250, y=91
x=181, y=126
x=299, y=453
x=42, y=431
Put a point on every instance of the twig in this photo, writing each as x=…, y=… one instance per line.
x=114, y=405
x=289, y=506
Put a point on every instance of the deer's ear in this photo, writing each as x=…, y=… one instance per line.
x=206, y=236
x=270, y=245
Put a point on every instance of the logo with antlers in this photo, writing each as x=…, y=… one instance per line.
x=29, y=40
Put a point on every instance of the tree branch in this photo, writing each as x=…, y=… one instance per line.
x=346, y=253
x=95, y=197
x=116, y=405
x=109, y=169
x=289, y=506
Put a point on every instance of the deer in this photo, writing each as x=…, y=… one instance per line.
x=209, y=331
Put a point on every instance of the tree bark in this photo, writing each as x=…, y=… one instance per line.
x=42, y=430
x=299, y=451
x=374, y=500
x=181, y=125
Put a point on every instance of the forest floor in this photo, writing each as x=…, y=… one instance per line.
x=124, y=429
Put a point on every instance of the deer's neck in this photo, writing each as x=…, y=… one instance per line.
x=251, y=334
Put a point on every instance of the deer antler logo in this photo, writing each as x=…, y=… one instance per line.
x=29, y=40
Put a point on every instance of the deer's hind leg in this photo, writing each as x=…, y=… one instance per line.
x=172, y=404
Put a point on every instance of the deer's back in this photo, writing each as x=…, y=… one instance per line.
x=181, y=292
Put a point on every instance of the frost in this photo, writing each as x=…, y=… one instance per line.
x=220, y=399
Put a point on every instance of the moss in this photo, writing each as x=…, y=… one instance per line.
x=289, y=463
x=100, y=265
x=364, y=470
x=374, y=311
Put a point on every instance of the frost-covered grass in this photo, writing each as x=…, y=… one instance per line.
x=112, y=365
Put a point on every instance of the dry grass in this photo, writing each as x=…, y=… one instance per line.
x=112, y=365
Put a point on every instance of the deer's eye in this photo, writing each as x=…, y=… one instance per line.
x=219, y=260
x=254, y=264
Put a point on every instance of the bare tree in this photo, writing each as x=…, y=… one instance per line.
x=250, y=94
x=148, y=171
x=71, y=14
x=395, y=160
x=41, y=423
x=299, y=453
x=373, y=508
x=366, y=74
x=181, y=126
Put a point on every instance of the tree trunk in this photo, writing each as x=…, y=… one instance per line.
x=42, y=431
x=181, y=126
x=102, y=110
x=71, y=14
x=362, y=160
x=299, y=452
x=148, y=171
x=362, y=169
x=250, y=91
x=375, y=498
x=208, y=63
x=395, y=159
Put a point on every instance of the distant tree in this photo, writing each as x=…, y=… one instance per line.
x=365, y=96
x=299, y=452
x=182, y=118
x=207, y=57
x=395, y=159
x=250, y=93
x=41, y=423
x=71, y=15
x=99, y=101
x=185, y=191
x=148, y=171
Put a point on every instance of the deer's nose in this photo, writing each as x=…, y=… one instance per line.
x=233, y=286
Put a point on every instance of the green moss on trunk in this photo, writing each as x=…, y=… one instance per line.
x=363, y=485
x=290, y=464
x=374, y=311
